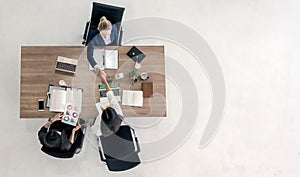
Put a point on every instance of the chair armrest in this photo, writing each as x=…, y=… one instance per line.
x=138, y=145
x=102, y=156
x=135, y=141
x=85, y=34
x=120, y=36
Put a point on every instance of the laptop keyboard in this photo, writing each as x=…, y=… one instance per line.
x=66, y=66
x=116, y=92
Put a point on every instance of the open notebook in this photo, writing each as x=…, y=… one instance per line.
x=132, y=98
x=58, y=98
x=106, y=59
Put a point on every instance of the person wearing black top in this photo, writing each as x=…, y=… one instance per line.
x=57, y=135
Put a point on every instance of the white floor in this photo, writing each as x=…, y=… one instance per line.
x=257, y=46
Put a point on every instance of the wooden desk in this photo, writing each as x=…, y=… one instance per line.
x=37, y=72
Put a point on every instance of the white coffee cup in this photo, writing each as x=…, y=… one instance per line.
x=62, y=83
x=137, y=65
x=144, y=76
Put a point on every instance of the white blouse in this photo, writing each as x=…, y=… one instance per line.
x=114, y=104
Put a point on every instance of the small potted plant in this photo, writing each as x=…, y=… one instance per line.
x=133, y=76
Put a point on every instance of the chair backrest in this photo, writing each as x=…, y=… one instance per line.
x=123, y=164
x=112, y=13
x=66, y=154
x=120, y=150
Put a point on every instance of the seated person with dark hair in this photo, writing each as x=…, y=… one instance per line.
x=57, y=135
x=110, y=118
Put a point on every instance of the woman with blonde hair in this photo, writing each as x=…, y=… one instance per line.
x=106, y=34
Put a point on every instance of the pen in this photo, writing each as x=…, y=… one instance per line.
x=103, y=59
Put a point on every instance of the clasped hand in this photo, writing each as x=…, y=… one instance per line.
x=102, y=74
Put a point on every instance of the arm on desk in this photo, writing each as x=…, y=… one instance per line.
x=102, y=75
x=90, y=54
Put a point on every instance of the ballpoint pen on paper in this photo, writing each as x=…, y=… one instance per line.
x=103, y=61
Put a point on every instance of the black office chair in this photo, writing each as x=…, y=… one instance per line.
x=75, y=148
x=112, y=13
x=120, y=150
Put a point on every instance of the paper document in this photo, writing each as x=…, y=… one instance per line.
x=106, y=59
x=70, y=115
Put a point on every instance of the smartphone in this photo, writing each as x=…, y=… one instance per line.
x=41, y=104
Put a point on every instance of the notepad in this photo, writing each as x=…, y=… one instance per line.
x=106, y=59
x=147, y=88
x=132, y=98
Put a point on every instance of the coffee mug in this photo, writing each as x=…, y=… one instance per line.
x=62, y=83
x=137, y=65
x=144, y=76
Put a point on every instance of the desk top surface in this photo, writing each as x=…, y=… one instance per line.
x=37, y=72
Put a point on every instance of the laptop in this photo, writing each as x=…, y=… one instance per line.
x=66, y=64
x=136, y=54
x=103, y=97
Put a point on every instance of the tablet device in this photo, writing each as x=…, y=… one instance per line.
x=136, y=54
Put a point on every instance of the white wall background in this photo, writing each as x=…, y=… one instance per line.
x=257, y=45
